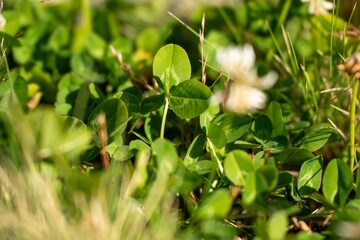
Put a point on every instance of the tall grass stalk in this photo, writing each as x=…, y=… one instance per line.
x=352, y=123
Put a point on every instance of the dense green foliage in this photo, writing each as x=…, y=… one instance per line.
x=107, y=131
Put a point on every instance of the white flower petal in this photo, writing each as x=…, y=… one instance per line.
x=327, y=5
x=267, y=81
x=247, y=55
x=234, y=60
x=244, y=99
x=217, y=98
x=2, y=21
x=318, y=7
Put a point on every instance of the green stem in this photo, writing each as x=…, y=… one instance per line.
x=284, y=12
x=352, y=123
x=163, y=122
x=221, y=169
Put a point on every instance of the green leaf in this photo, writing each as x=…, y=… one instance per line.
x=149, y=39
x=166, y=156
x=131, y=101
x=207, y=117
x=81, y=63
x=19, y=86
x=255, y=189
x=274, y=112
x=216, y=229
x=183, y=180
x=262, y=128
x=123, y=153
x=238, y=165
x=337, y=182
x=315, y=137
x=216, y=136
x=59, y=135
x=357, y=188
x=234, y=126
x=59, y=38
x=70, y=79
x=247, y=145
x=309, y=179
x=152, y=127
x=309, y=236
x=297, y=125
x=202, y=167
x=271, y=175
x=294, y=156
x=137, y=145
x=189, y=99
x=171, y=66
x=277, y=225
x=277, y=144
x=195, y=150
x=96, y=45
x=351, y=211
x=116, y=116
x=152, y=103
x=217, y=205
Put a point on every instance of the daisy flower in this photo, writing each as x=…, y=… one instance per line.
x=244, y=94
x=319, y=7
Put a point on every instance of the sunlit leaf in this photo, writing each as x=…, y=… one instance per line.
x=216, y=135
x=274, y=112
x=277, y=226
x=310, y=176
x=315, y=137
x=171, y=66
x=217, y=205
x=203, y=166
x=238, y=165
x=123, y=153
x=256, y=189
x=337, y=182
x=166, y=156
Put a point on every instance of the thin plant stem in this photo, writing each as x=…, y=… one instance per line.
x=221, y=169
x=202, y=38
x=284, y=12
x=352, y=123
x=103, y=135
x=163, y=122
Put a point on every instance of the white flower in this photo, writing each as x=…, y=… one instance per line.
x=2, y=21
x=244, y=93
x=319, y=7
